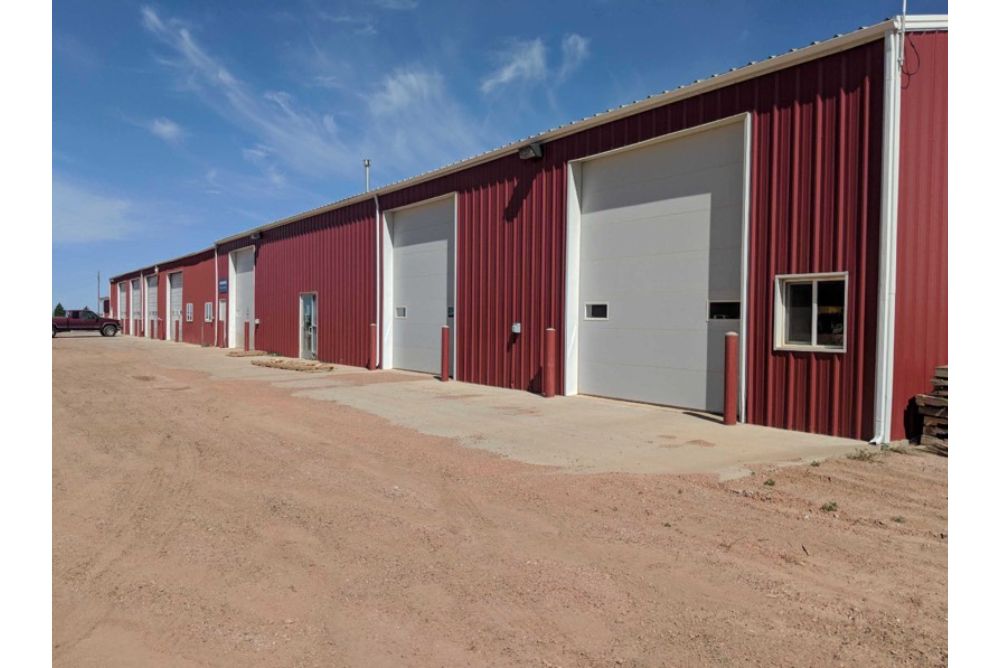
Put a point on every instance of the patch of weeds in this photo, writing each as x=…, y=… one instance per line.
x=829, y=506
x=814, y=462
x=769, y=482
x=899, y=519
x=667, y=524
x=863, y=455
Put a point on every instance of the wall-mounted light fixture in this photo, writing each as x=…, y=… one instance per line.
x=532, y=151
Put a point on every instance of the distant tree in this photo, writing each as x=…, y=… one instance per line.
x=59, y=311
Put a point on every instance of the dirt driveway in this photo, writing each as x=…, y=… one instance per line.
x=208, y=521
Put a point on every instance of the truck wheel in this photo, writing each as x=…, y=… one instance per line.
x=109, y=330
x=54, y=330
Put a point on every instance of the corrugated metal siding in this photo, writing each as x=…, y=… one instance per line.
x=921, y=334
x=199, y=287
x=333, y=255
x=815, y=208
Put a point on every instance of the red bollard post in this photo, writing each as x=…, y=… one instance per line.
x=549, y=363
x=246, y=335
x=372, y=346
x=731, y=378
x=445, y=353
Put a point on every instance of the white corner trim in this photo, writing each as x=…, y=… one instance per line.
x=745, y=262
x=571, y=316
x=885, y=336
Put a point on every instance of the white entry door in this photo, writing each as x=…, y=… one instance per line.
x=308, y=326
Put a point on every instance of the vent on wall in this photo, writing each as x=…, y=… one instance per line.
x=400, y=311
x=596, y=311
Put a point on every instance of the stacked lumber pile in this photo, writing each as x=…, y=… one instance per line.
x=933, y=409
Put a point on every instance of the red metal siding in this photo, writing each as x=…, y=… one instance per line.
x=198, y=288
x=921, y=333
x=815, y=185
x=333, y=255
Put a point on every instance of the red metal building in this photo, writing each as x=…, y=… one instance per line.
x=844, y=190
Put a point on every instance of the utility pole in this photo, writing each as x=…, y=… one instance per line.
x=99, y=306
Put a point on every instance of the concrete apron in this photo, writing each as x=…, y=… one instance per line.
x=581, y=434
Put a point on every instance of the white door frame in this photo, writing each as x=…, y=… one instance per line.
x=574, y=221
x=315, y=296
x=387, y=258
x=233, y=298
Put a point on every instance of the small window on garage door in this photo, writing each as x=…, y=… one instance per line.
x=810, y=312
x=596, y=311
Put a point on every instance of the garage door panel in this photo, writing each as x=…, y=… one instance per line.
x=672, y=387
x=724, y=274
x=651, y=310
x=673, y=349
x=613, y=236
x=660, y=236
x=666, y=271
x=694, y=153
x=674, y=194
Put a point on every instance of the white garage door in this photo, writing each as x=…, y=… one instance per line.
x=242, y=288
x=660, y=241
x=151, y=306
x=176, y=305
x=136, y=304
x=123, y=304
x=423, y=273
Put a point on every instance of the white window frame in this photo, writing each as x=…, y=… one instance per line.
x=209, y=308
x=781, y=281
x=189, y=312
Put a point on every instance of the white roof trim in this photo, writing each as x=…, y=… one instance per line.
x=735, y=75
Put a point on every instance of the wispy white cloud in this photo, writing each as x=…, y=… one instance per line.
x=80, y=215
x=396, y=4
x=521, y=61
x=166, y=129
x=575, y=50
x=405, y=88
x=525, y=62
x=413, y=121
x=360, y=24
x=303, y=139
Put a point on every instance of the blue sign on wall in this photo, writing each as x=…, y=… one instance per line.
x=223, y=285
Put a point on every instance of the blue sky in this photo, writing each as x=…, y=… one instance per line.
x=178, y=123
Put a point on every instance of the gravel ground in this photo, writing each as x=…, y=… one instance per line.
x=201, y=521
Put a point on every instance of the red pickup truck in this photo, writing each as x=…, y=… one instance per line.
x=87, y=321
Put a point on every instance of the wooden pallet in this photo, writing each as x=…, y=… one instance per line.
x=933, y=409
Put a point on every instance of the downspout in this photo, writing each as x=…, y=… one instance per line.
x=378, y=284
x=215, y=315
x=885, y=337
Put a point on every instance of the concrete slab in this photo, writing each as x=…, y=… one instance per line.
x=583, y=434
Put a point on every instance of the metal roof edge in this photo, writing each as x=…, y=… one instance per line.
x=156, y=265
x=794, y=56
